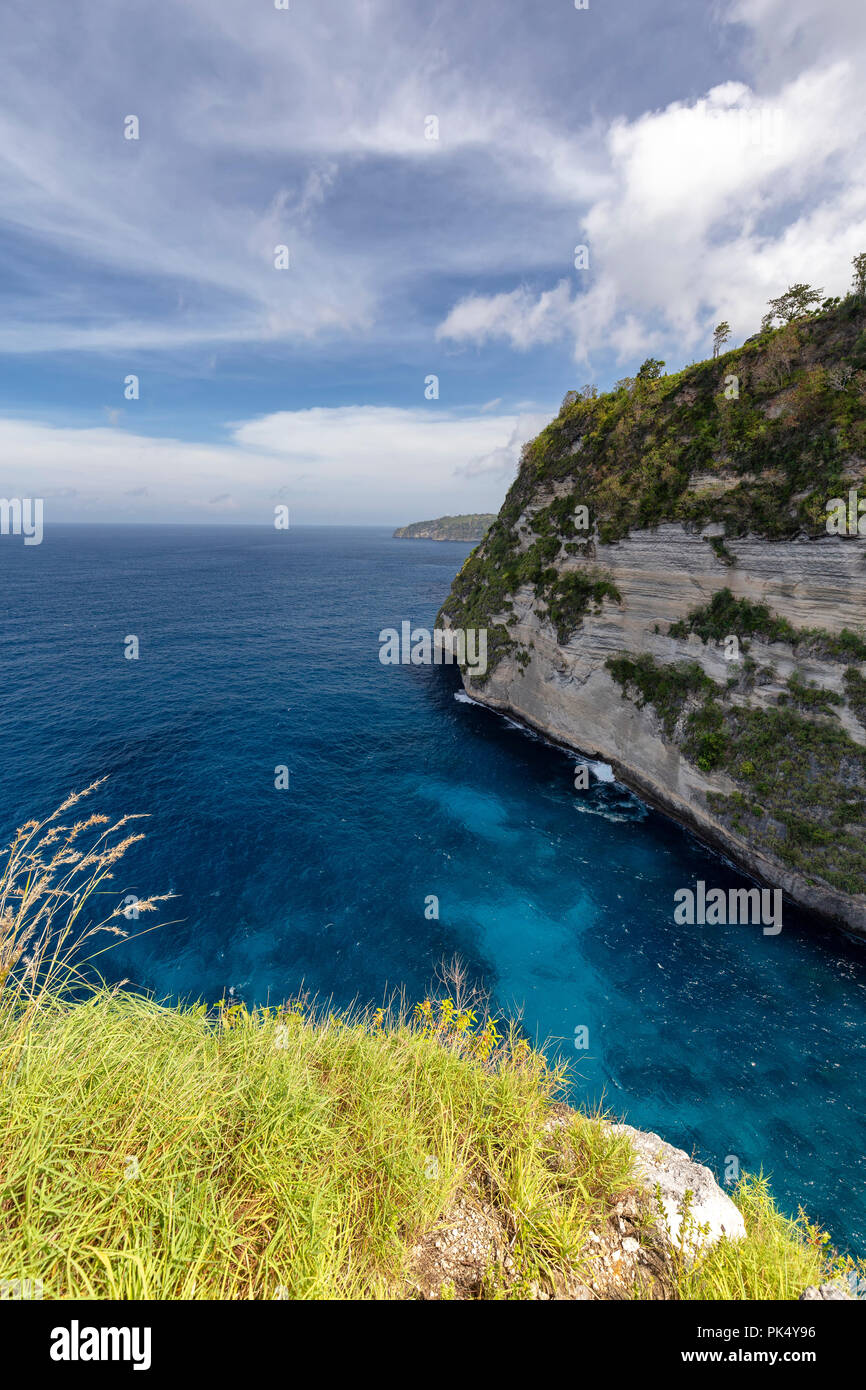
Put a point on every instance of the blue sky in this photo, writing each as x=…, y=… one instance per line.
x=706, y=155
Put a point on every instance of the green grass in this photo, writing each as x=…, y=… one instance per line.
x=177, y=1152
x=726, y=614
x=779, y=1258
x=855, y=689
x=721, y=551
x=805, y=695
x=809, y=778
x=151, y=1152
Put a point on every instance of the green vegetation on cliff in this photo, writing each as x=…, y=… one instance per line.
x=757, y=440
x=801, y=780
x=666, y=688
x=485, y=585
x=570, y=596
x=725, y=615
x=754, y=441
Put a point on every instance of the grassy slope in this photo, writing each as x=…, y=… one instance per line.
x=150, y=1152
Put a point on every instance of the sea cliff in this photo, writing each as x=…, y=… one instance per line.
x=675, y=584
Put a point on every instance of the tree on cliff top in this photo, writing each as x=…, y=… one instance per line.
x=651, y=369
x=797, y=301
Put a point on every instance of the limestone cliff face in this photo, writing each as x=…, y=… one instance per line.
x=616, y=640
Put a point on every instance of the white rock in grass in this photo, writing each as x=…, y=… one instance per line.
x=674, y=1173
x=824, y=1292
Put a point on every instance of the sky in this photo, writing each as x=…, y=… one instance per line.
x=430, y=170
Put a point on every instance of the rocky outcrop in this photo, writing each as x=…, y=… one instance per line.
x=825, y=1293
x=674, y=1210
x=692, y=1209
x=649, y=527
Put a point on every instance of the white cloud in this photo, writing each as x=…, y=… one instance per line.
x=522, y=317
x=351, y=464
x=192, y=202
x=687, y=215
x=712, y=206
x=502, y=461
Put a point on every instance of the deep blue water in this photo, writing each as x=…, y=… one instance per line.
x=259, y=648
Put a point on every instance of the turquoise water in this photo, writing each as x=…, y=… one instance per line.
x=258, y=649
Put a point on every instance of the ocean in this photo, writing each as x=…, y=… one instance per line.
x=259, y=650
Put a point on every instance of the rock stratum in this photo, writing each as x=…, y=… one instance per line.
x=676, y=584
x=469, y=527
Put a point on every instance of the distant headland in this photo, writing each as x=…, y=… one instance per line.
x=471, y=527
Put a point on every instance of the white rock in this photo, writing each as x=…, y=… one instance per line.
x=824, y=1292
x=674, y=1173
